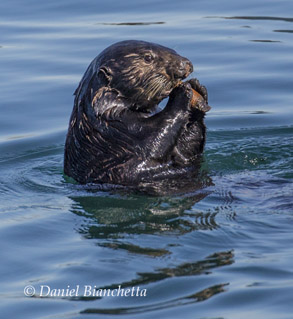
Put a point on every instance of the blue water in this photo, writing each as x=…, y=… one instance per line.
x=223, y=252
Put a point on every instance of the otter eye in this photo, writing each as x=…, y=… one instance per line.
x=148, y=57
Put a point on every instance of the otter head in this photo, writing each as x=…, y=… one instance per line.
x=143, y=72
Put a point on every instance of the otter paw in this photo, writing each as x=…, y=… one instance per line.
x=188, y=90
x=184, y=92
x=188, y=95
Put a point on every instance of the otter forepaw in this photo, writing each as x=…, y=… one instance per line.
x=184, y=93
x=188, y=90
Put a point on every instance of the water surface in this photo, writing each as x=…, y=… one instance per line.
x=222, y=252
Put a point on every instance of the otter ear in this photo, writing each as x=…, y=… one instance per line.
x=105, y=73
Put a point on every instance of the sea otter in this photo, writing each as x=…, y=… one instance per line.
x=116, y=133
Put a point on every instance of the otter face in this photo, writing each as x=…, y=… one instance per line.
x=143, y=72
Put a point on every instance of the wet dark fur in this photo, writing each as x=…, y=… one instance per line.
x=114, y=137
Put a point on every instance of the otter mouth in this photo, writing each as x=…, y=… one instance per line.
x=176, y=78
x=173, y=83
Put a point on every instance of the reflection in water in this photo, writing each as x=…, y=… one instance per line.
x=151, y=252
x=186, y=300
x=112, y=217
x=187, y=269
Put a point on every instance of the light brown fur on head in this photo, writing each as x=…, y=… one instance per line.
x=142, y=72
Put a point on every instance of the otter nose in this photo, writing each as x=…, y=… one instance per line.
x=184, y=69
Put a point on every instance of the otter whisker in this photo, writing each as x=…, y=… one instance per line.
x=154, y=88
x=157, y=85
